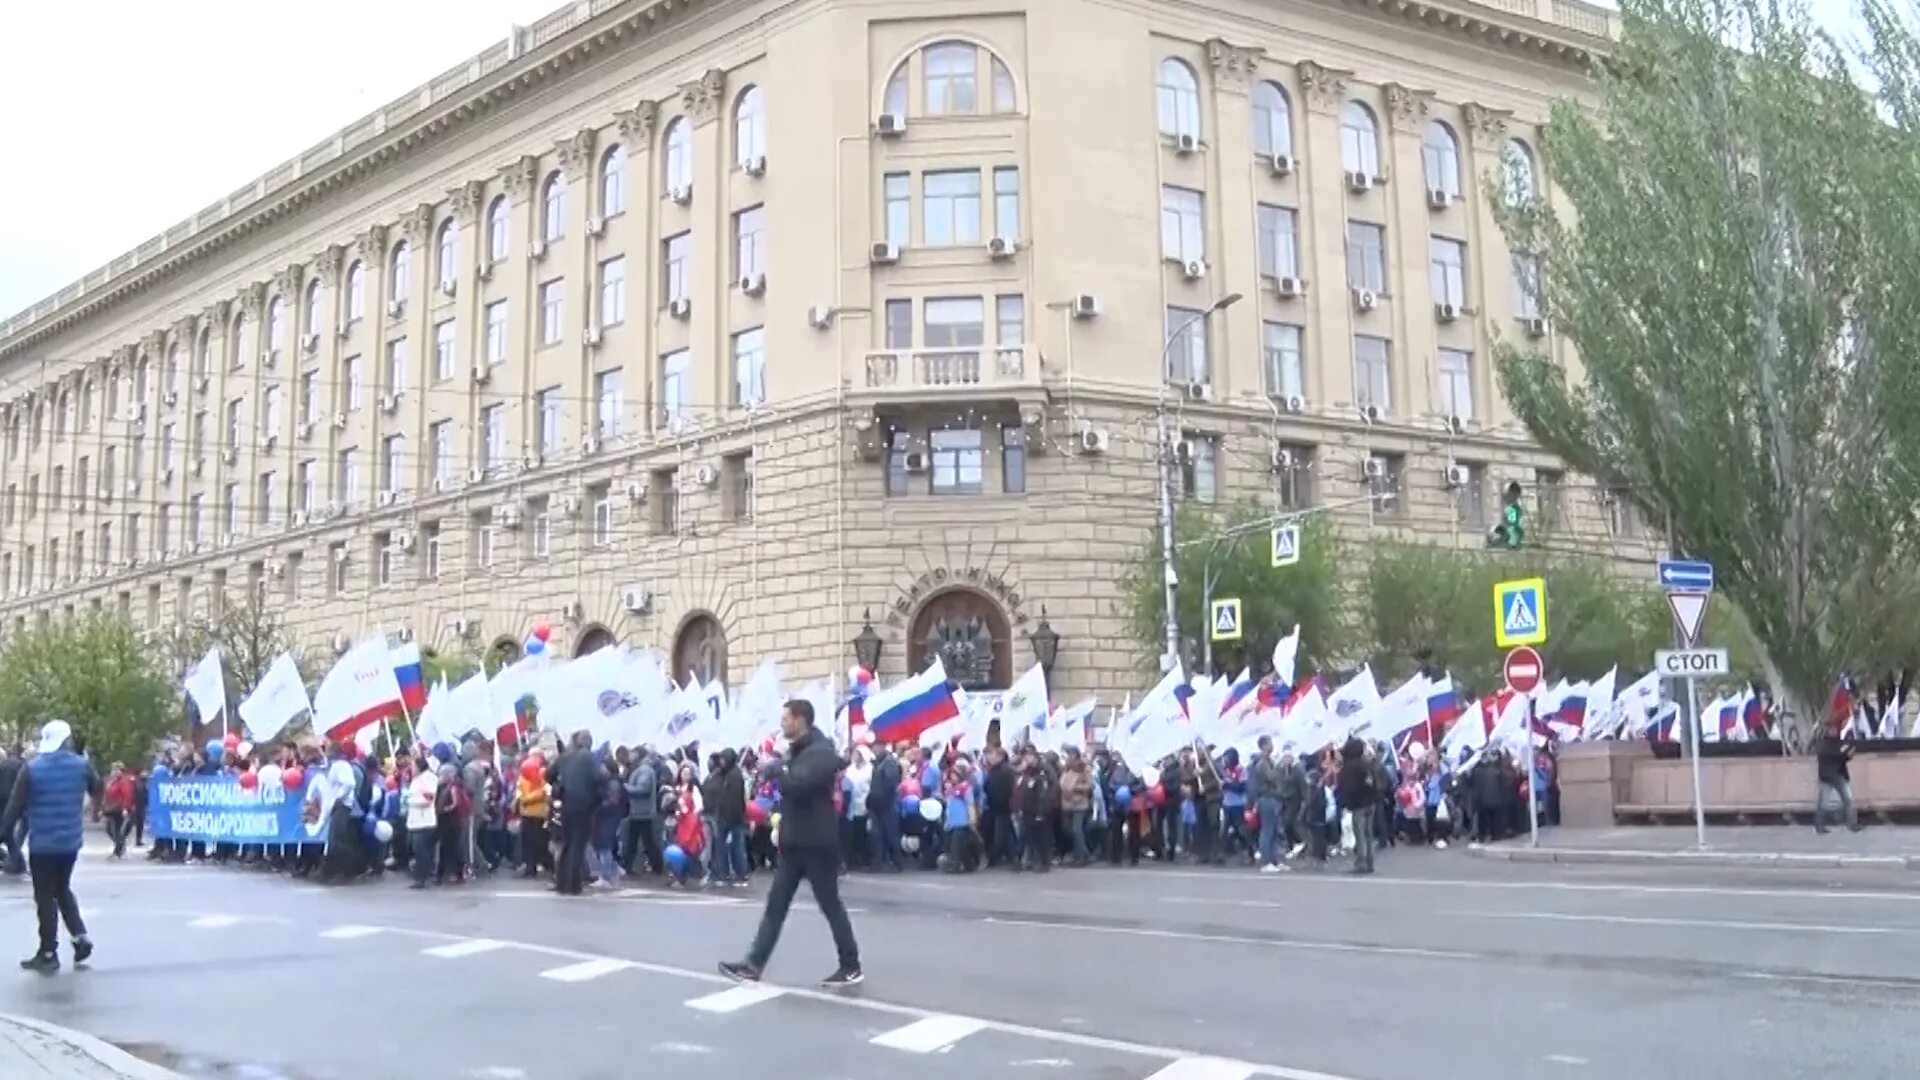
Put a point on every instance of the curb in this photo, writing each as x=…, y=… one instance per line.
x=1742, y=859
x=105, y=1054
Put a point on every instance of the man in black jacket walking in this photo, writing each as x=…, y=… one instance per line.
x=809, y=838
x=1359, y=796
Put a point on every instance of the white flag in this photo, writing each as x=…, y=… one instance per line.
x=1285, y=653
x=1024, y=707
x=206, y=685
x=276, y=701
x=360, y=691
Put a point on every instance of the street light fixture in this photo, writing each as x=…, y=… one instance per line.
x=867, y=643
x=1046, y=643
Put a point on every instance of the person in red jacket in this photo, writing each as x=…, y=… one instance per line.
x=115, y=803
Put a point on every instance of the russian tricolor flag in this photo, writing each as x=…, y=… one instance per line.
x=1443, y=706
x=406, y=672
x=1662, y=728
x=1238, y=692
x=901, y=712
x=1753, y=715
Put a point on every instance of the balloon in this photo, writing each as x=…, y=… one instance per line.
x=910, y=845
x=1150, y=777
x=292, y=777
x=535, y=646
x=542, y=631
x=215, y=752
x=909, y=806
x=161, y=772
x=249, y=780
x=931, y=810
x=393, y=783
x=1156, y=798
x=270, y=775
x=774, y=820
x=1123, y=797
x=230, y=740
x=245, y=748
x=383, y=832
x=676, y=859
x=756, y=813
x=531, y=769
x=1253, y=820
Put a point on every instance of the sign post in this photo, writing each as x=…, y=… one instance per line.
x=1688, y=584
x=1524, y=670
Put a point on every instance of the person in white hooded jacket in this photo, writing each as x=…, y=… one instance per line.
x=853, y=821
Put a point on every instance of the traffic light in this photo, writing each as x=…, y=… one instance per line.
x=1511, y=532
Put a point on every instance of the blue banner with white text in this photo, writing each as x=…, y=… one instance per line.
x=217, y=810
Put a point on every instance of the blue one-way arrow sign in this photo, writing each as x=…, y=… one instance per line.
x=1685, y=575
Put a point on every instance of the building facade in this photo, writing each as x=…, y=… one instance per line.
x=737, y=329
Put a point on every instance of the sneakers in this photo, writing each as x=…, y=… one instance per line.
x=1273, y=868
x=41, y=961
x=842, y=978
x=82, y=948
x=740, y=972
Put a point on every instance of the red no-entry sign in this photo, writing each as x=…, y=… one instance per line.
x=1523, y=670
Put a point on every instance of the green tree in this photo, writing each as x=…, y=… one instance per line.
x=250, y=636
x=453, y=666
x=96, y=673
x=1731, y=255
x=1272, y=599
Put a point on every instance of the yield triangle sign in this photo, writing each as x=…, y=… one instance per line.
x=1689, y=611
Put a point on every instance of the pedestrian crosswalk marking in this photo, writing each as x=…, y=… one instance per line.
x=1205, y=1068
x=215, y=922
x=458, y=949
x=933, y=1033
x=734, y=1000
x=348, y=933
x=585, y=970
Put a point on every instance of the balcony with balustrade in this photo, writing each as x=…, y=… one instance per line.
x=977, y=373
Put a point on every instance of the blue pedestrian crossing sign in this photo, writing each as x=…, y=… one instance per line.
x=1286, y=545
x=1224, y=620
x=1520, y=612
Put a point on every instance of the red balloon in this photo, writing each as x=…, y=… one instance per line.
x=755, y=814
x=532, y=769
x=249, y=780
x=291, y=776
x=232, y=740
x=542, y=631
x=393, y=783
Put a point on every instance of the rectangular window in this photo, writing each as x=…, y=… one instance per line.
x=749, y=367
x=1367, y=256
x=1010, y=321
x=950, y=208
x=1622, y=519
x=196, y=520
x=1526, y=285
x=603, y=515
x=351, y=390
x=1187, y=358
x=393, y=463
x=384, y=557
x=348, y=481
x=1470, y=498
x=1282, y=364
x=676, y=374
x=954, y=322
x=484, y=539
x=666, y=486
x=553, y=296
x=234, y=427
x=1013, y=459
x=1548, y=486
x=899, y=189
x=444, y=360
x=1447, y=271
x=1279, y=228
x=270, y=411
x=613, y=292
x=900, y=325
x=1006, y=203
x=493, y=436
x=397, y=367
x=750, y=242
x=496, y=323
x=1199, y=457
x=309, y=404
x=1293, y=477
x=1454, y=394
x=1387, y=486
x=737, y=469
x=546, y=421
x=263, y=500
x=958, y=461
x=1182, y=217
x=610, y=402
x=306, y=487
x=337, y=577
x=677, y=252
x=1373, y=374
x=440, y=445
x=430, y=543
x=899, y=450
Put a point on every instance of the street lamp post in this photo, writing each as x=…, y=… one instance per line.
x=1170, y=577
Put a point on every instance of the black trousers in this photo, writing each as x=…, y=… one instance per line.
x=53, y=898
x=575, y=830
x=820, y=867
x=641, y=835
x=535, y=854
x=117, y=830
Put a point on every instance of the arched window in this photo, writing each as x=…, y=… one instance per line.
x=314, y=304
x=679, y=163
x=203, y=354
x=1179, y=99
x=497, y=229
x=553, y=207
x=894, y=102
x=176, y=359
x=1272, y=122
x=240, y=342
x=356, y=292
x=1440, y=152
x=950, y=74
x=1359, y=140
x=142, y=378
x=750, y=129
x=613, y=182
x=1522, y=179
x=276, y=325
x=446, y=254
x=401, y=280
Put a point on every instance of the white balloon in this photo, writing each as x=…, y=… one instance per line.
x=244, y=748
x=269, y=775
x=383, y=831
x=931, y=809
x=1150, y=776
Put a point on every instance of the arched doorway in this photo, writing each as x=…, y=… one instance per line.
x=970, y=634
x=501, y=653
x=700, y=649
x=593, y=639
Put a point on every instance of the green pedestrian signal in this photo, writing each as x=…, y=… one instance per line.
x=1511, y=532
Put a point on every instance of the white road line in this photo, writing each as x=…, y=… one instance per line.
x=1566, y=1059
x=930, y=1034
x=586, y=969
x=456, y=950
x=1704, y=924
x=734, y=1000
x=1827, y=980
x=214, y=922
x=1372, y=881
x=1204, y=1068
x=348, y=933
x=1234, y=939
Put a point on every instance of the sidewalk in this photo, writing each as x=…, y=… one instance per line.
x=35, y=1050
x=1781, y=847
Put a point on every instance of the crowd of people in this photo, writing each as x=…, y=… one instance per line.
x=592, y=817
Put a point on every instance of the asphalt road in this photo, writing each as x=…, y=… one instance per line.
x=1441, y=966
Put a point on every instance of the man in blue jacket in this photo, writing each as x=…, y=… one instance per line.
x=809, y=838
x=52, y=791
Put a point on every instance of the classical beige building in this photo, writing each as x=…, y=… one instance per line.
x=729, y=328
